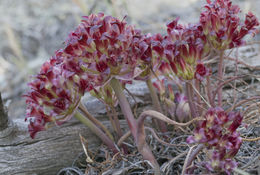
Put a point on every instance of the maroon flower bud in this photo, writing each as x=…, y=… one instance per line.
x=217, y=163
x=182, y=109
x=228, y=165
x=236, y=119
x=201, y=72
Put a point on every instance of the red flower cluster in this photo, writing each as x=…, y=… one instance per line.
x=103, y=46
x=150, y=52
x=184, y=46
x=100, y=47
x=54, y=95
x=221, y=24
x=219, y=27
x=217, y=163
x=218, y=133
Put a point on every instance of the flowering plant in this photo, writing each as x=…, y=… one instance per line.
x=104, y=54
x=218, y=133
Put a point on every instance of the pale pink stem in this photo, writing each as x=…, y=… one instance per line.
x=125, y=106
x=220, y=77
x=209, y=92
x=189, y=93
x=156, y=104
x=139, y=138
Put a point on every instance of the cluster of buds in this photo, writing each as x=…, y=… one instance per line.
x=103, y=46
x=184, y=46
x=218, y=132
x=150, y=50
x=221, y=24
x=54, y=95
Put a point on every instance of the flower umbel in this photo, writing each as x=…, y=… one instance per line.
x=103, y=46
x=184, y=46
x=221, y=24
x=54, y=95
x=218, y=133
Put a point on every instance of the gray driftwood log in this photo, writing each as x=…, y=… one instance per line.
x=49, y=152
x=57, y=147
x=3, y=115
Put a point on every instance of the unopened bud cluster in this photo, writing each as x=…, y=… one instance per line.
x=218, y=132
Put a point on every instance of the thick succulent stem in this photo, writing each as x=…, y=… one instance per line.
x=125, y=106
x=110, y=118
x=142, y=146
x=3, y=116
x=197, y=85
x=95, y=121
x=220, y=76
x=189, y=93
x=160, y=116
x=156, y=104
x=97, y=131
x=117, y=127
x=117, y=124
x=147, y=154
x=209, y=92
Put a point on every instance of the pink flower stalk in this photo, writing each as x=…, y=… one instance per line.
x=218, y=133
x=54, y=95
x=184, y=46
x=221, y=24
x=103, y=46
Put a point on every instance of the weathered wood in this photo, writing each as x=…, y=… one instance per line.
x=3, y=115
x=50, y=151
